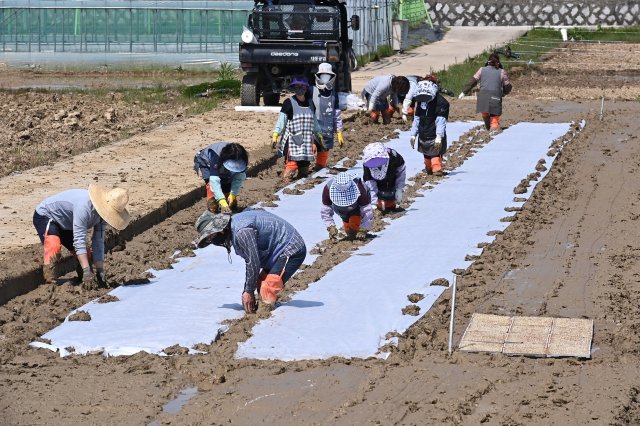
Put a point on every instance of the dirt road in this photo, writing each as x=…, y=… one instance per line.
x=571, y=252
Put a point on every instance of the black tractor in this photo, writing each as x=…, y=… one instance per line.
x=292, y=37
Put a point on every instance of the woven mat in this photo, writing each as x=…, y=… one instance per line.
x=531, y=336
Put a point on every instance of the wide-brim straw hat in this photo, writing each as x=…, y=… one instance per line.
x=111, y=205
x=343, y=191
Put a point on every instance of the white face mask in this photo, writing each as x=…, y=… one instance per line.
x=325, y=81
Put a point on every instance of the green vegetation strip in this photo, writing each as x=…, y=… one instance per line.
x=531, y=47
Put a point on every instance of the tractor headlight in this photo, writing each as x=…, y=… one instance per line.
x=247, y=36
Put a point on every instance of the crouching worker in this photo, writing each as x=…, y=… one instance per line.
x=381, y=96
x=347, y=196
x=223, y=166
x=271, y=247
x=430, y=126
x=385, y=175
x=64, y=219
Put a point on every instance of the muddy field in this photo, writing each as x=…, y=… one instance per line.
x=571, y=252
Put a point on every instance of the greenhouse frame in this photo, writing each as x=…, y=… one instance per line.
x=141, y=32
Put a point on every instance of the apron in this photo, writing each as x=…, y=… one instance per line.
x=490, y=94
x=325, y=112
x=298, y=135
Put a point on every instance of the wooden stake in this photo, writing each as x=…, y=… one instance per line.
x=453, y=310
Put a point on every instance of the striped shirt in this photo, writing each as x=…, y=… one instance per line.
x=261, y=238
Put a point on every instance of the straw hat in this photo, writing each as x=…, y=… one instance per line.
x=375, y=155
x=111, y=205
x=343, y=191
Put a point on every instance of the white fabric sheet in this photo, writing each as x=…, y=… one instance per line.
x=187, y=304
x=351, y=309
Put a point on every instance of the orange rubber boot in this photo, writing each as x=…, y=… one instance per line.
x=270, y=287
x=290, y=170
x=436, y=164
x=427, y=166
x=386, y=205
x=353, y=225
x=375, y=116
x=321, y=160
x=209, y=191
x=52, y=250
x=495, y=122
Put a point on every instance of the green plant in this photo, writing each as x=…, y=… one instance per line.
x=381, y=52
x=226, y=72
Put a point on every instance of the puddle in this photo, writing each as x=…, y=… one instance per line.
x=176, y=404
x=183, y=397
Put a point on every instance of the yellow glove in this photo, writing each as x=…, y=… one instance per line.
x=340, y=138
x=224, y=206
x=233, y=201
x=274, y=140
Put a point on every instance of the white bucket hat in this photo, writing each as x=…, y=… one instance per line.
x=375, y=155
x=111, y=205
x=343, y=191
x=325, y=68
x=325, y=77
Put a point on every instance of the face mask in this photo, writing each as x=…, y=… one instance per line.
x=300, y=90
x=325, y=81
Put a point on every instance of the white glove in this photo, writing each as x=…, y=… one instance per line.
x=404, y=117
x=461, y=95
x=399, y=195
x=438, y=143
x=412, y=141
x=374, y=206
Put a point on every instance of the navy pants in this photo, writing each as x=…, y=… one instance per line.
x=292, y=265
x=66, y=236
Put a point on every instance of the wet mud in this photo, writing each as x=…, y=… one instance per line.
x=570, y=251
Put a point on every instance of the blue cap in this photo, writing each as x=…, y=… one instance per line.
x=235, y=166
x=299, y=81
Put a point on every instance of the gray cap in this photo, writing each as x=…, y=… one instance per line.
x=210, y=223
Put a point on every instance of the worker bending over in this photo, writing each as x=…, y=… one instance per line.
x=271, y=247
x=223, y=167
x=64, y=219
x=348, y=197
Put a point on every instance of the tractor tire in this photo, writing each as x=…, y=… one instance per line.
x=271, y=99
x=250, y=92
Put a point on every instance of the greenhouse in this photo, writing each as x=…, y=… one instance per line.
x=185, y=33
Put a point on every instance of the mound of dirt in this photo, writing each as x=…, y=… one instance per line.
x=80, y=316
